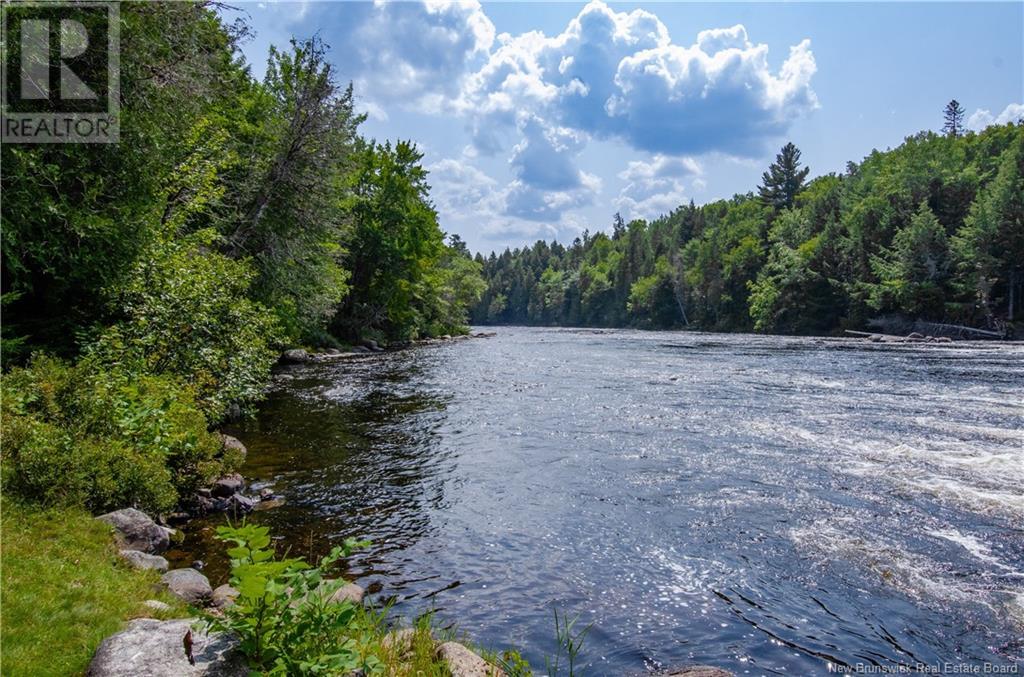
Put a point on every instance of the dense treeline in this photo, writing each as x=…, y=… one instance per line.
x=148, y=285
x=933, y=229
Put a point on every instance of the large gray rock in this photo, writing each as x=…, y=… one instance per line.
x=188, y=584
x=464, y=663
x=295, y=356
x=142, y=560
x=156, y=649
x=134, y=530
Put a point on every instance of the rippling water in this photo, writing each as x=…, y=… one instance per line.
x=765, y=504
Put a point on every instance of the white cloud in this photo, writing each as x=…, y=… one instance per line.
x=982, y=118
x=656, y=187
x=618, y=75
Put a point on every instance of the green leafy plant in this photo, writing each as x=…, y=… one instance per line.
x=570, y=643
x=284, y=614
x=98, y=436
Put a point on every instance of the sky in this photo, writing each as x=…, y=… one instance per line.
x=539, y=120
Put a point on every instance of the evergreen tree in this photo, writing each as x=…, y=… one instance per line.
x=784, y=179
x=954, y=116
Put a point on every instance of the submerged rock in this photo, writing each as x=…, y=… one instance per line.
x=464, y=663
x=134, y=530
x=700, y=671
x=156, y=649
x=142, y=560
x=188, y=585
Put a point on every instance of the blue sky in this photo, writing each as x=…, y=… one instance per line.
x=541, y=119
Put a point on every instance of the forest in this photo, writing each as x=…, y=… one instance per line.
x=933, y=229
x=149, y=285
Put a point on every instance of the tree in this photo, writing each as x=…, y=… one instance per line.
x=990, y=246
x=784, y=179
x=954, y=116
x=914, y=272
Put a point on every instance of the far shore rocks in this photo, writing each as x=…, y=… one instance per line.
x=134, y=530
x=464, y=663
x=155, y=649
x=188, y=585
x=143, y=560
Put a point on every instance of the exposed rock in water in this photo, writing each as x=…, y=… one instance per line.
x=189, y=585
x=228, y=485
x=134, y=530
x=224, y=596
x=464, y=663
x=294, y=356
x=241, y=504
x=156, y=649
x=269, y=504
x=142, y=560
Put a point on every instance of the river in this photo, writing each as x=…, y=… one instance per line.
x=769, y=505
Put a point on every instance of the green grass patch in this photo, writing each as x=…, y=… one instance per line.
x=63, y=589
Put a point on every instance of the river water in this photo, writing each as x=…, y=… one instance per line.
x=769, y=505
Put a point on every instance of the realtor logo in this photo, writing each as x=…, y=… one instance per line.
x=61, y=72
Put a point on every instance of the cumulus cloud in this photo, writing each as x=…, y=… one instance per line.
x=982, y=118
x=656, y=187
x=618, y=75
x=541, y=98
x=410, y=53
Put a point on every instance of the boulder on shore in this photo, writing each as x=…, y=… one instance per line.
x=294, y=356
x=234, y=444
x=134, y=530
x=224, y=596
x=142, y=560
x=188, y=585
x=464, y=663
x=350, y=592
x=156, y=649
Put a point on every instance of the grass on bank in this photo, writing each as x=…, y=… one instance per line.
x=63, y=590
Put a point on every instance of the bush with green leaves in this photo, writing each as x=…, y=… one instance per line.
x=187, y=314
x=284, y=615
x=101, y=437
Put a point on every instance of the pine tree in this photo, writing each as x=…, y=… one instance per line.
x=784, y=179
x=954, y=115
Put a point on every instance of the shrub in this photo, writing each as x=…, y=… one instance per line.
x=187, y=314
x=102, y=437
x=282, y=614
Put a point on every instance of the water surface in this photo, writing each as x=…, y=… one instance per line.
x=769, y=505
